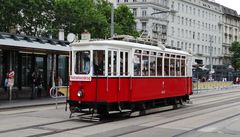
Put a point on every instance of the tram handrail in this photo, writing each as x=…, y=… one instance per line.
x=55, y=93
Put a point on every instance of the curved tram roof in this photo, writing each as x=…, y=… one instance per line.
x=126, y=44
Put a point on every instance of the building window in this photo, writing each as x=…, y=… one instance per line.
x=144, y=13
x=135, y=12
x=144, y=26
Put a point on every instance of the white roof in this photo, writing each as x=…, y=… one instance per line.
x=128, y=45
x=32, y=44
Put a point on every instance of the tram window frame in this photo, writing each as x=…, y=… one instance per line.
x=167, y=65
x=145, y=65
x=137, y=67
x=183, y=66
x=99, y=67
x=121, y=63
x=178, y=65
x=109, y=62
x=159, y=64
x=124, y=59
x=82, y=64
x=172, y=65
x=115, y=62
x=126, y=73
x=153, y=64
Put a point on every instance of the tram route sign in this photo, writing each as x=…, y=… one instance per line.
x=80, y=78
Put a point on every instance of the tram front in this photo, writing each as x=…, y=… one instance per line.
x=86, y=78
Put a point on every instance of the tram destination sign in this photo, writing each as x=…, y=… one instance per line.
x=80, y=78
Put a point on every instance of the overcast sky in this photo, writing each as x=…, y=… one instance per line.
x=233, y=4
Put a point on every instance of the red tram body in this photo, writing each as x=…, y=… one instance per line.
x=113, y=75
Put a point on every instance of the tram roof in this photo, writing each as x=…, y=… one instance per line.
x=29, y=42
x=127, y=44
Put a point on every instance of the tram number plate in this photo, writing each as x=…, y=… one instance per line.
x=80, y=78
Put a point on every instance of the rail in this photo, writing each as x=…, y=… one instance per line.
x=57, y=92
x=214, y=85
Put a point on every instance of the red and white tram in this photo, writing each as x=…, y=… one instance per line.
x=113, y=75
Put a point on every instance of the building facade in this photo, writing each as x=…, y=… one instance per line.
x=151, y=25
x=197, y=28
x=231, y=27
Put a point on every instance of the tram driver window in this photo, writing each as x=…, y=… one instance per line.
x=99, y=62
x=82, y=62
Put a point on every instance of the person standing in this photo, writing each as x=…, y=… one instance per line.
x=34, y=84
x=39, y=84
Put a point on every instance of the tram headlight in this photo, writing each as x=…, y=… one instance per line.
x=80, y=93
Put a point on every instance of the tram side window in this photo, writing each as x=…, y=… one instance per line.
x=183, y=66
x=172, y=66
x=109, y=63
x=137, y=65
x=152, y=66
x=114, y=63
x=159, y=66
x=166, y=66
x=99, y=62
x=82, y=65
x=126, y=63
x=178, y=66
x=145, y=67
x=121, y=63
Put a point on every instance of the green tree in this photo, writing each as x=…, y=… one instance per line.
x=125, y=21
x=235, y=49
x=36, y=16
x=79, y=15
x=9, y=14
x=31, y=15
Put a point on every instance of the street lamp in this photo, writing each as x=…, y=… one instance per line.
x=211, y=59
x=112, y=20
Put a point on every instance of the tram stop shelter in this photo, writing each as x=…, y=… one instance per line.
x=26, y=55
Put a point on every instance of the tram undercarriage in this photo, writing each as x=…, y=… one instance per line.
x=104, y=108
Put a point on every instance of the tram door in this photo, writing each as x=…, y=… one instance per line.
x=124, y=80
x=118, y=83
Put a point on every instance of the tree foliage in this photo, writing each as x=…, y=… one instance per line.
x=46, y=17
x=125, y=21
x=235, y=49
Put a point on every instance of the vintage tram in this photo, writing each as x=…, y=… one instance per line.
x=127, y=75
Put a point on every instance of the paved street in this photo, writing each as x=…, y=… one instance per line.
x=212, y=114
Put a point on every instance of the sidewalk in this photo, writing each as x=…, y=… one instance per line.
x=21, y=103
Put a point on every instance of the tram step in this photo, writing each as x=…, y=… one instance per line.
x=123, y=111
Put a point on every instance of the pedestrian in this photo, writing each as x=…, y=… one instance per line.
x=39, y=84
x=34, y=85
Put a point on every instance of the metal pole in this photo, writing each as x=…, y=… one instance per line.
x=211, y=60
x=112, y=21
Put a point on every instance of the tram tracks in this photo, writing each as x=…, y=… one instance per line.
x=225, y=103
